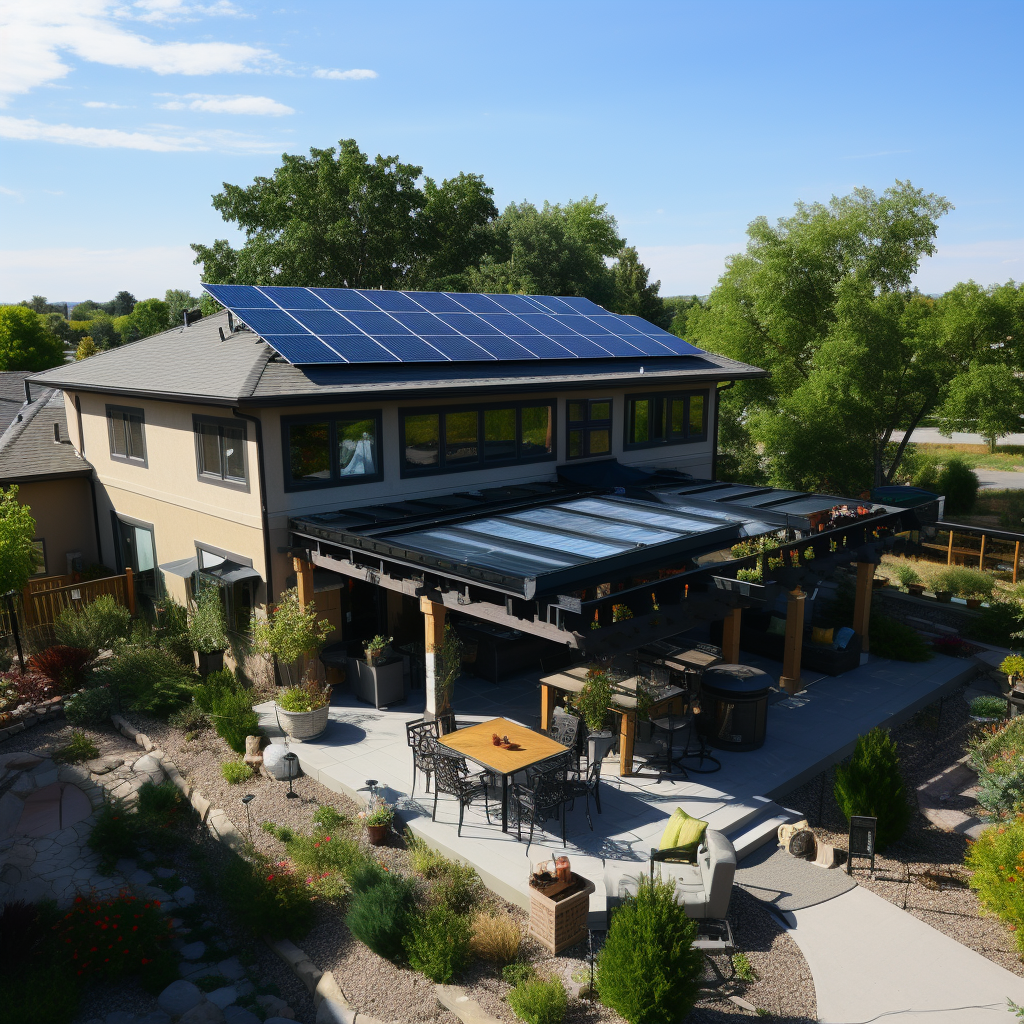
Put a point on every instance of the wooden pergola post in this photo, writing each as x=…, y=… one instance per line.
x=949, y=553
x=794, y=641
x=433, y=620
x=304, y=578
x=731, y=637
x=1016, y=561
x=981, y=561
x=862, y=603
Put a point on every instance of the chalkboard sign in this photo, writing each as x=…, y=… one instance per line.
x=862, y=840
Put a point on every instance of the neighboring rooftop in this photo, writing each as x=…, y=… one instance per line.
x=12, y=396
x=210, y=362
x=28, y=451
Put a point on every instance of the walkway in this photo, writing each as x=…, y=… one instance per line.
x=805, y=735
x=870, y=959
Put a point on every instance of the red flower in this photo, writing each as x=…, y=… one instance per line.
x=270, y=878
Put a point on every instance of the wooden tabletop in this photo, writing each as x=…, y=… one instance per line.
x=475, y=743
x=692, y=659
x=571, y=681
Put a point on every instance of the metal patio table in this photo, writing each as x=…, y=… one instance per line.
x=476, y=744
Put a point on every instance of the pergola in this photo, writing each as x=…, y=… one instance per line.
x=561, y=560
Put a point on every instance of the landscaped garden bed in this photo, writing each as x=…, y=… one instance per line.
x=924, y=871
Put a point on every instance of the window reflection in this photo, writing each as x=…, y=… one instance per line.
x=461, y=436
x=423, y=440
x=357, y=447
x=309, y=451
x=500, y=433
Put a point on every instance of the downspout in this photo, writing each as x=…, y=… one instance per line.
x=714, y=442
x=96, y=520
x=261, y=473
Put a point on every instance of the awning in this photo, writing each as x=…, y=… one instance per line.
x=227, y=572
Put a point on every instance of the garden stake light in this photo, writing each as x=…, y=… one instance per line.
x=248, y=799
x=291, y=760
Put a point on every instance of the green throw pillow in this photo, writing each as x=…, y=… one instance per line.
x=777, y=627
x=682, y=831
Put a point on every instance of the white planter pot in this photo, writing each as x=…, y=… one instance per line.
x=302, y=725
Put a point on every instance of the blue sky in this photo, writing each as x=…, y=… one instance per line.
x=120, y=119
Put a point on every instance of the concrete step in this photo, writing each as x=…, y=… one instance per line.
x=731, y=818
x=763, y=829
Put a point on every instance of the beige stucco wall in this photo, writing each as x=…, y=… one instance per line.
x=63, y=513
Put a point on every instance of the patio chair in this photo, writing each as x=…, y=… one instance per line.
x=703, y=889
x=446, y=722
x=565, y=729
x=451, y=776
x=420, y=736
x=545, y=797
x=586, y=786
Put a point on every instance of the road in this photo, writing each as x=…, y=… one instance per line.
x=991, y=479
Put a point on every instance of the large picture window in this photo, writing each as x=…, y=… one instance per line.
x=220, y=451
x=677, y=418
x=126, y=430
x=589, y=423
x=330, y=450
x=476, y=437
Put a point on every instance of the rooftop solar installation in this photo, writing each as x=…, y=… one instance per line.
x=316, y=326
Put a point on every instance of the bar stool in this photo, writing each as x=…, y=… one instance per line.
x=671, y=724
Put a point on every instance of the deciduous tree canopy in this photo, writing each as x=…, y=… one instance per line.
x=25, y=342
x=17, y=528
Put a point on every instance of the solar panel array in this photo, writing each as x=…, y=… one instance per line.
x=310, y=326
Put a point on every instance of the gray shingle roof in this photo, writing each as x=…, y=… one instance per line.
x=194, y=363
x=28, y=450
x=12, y=396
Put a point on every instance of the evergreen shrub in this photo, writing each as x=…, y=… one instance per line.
x=959, y=483
x=649, y=971
x=90, y=707
x=997, y=859
x=98, y=626
x=380, y=917
x=438, y=943
x=871, y=784
x=538, y=1000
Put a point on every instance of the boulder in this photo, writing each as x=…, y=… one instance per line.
x=193, y=951
x=204, y=1013
x=179, y=997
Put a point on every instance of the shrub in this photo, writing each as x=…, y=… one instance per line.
x=997, y=622
x=90, y=707
x=160, y=804
x=964, y=582
x=65, y=667
x=81, y=748
x=452, y=884
x=959, y=483
x=906, y=574
x=438, y=943
x=267, y=898
x=206, y=694
x=99, y=625
x=517, y=971
x=302, y=698
x=496, y=937
x=30, y=688
x=648, y=970
x=366, y=875
x=206, y=632
x=325, y=816
x=541, y=1001
x=871, y=784
x=381, y=916
x=115, y=834
x=189, y=719
x=892, y=639
x=236, y=772
x=234, y=719
x=148, y=679
x=999, y=762
x=988, y=707
x=40, y=995
x=743, y=967
x=997, y=860
x=321, y=852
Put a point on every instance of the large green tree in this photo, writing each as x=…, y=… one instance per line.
x=150, y=316
x=179, y=301
x=338, y=219
x=634, y=294
x=25, y=342
x=17, y=528
x=823, y=299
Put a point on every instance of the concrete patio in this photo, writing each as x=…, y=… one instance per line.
x=805, y=735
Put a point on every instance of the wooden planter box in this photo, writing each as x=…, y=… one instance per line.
x=557, y=925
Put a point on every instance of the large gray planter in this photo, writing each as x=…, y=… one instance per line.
x=598, y=745
x=211, y=661
x=302, y=725
x=378, y=685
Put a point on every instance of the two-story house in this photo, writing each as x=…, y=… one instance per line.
x=207, y=439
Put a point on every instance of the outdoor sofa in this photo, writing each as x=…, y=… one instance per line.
x=755, y=638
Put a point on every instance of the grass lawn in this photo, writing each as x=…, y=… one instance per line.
x=1007, y=456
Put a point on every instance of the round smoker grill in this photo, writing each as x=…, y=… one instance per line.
x=735, y=706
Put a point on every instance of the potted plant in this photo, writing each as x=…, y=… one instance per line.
x=908, y=578
x=592, y=703
x=302, y=710
x=375, y=649
x=206, y=631
x=289, y=632
x=975, y=586
x=447, y=668
x=377, y=818
x=988, y=709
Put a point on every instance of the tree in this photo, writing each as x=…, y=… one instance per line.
x=988, y=399
x=679, y=306
x=86, y=347
x=84, y=311
x=102, y=330
x=179, y=301
x=338, y=219
x=57, y=324
x=18, y=558
x=633, y=294
x=122, y=304
x=824, y=301
x=38, y=304
x=557, y=250
x=25, y=343
x=150, y=316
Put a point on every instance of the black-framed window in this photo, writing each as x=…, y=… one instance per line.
x=126, y=428
x=135, y=549
x=220, y=451
x=476, y=436
x=237, y=599
x=674, y=418
x=589, y=427
x=332, y=449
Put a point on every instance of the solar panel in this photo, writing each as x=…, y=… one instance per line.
x=311, y=326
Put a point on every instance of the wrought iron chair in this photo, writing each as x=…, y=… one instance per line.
x=545, y=797
x=586, y=786
x=446, y=722
x=420, y=736
x=565, y=729
x=451, y=776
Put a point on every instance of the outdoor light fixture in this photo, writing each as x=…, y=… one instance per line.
x=291, y=760
x=371, y=785
x=248, y=799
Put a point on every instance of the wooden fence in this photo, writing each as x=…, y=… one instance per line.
x=976, y=546
x=43, y=600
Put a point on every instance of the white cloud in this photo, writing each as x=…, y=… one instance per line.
x=100, y=105
x=11, y=192
x=175, y=10
x=225, y=104
x=164, y=139
x=75, y=273
x=993, y=262
x=36, y=34
x=337, y=74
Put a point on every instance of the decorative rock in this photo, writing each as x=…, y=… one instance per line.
x=238, y=1015
x=102, y=765
x=200, y=804
x=274, y=762
x=252, y=751
x=164, y=872
x=193, y=951
x=179, y=997
x=244, y=988
x=21, y=761
x=185, y=896
x=144, y=741
x=120, y=1017
x=126, y=866
x=140, y=877
x=193, y=971
x=224, y=996
x=149, y=765
x=204, y=1013
x=231, y=969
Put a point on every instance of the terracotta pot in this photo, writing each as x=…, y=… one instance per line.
x=945, y=596
x=917, y=589
x=974, y=602
x=377, y=834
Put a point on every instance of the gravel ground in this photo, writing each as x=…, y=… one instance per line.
x=927, y=745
